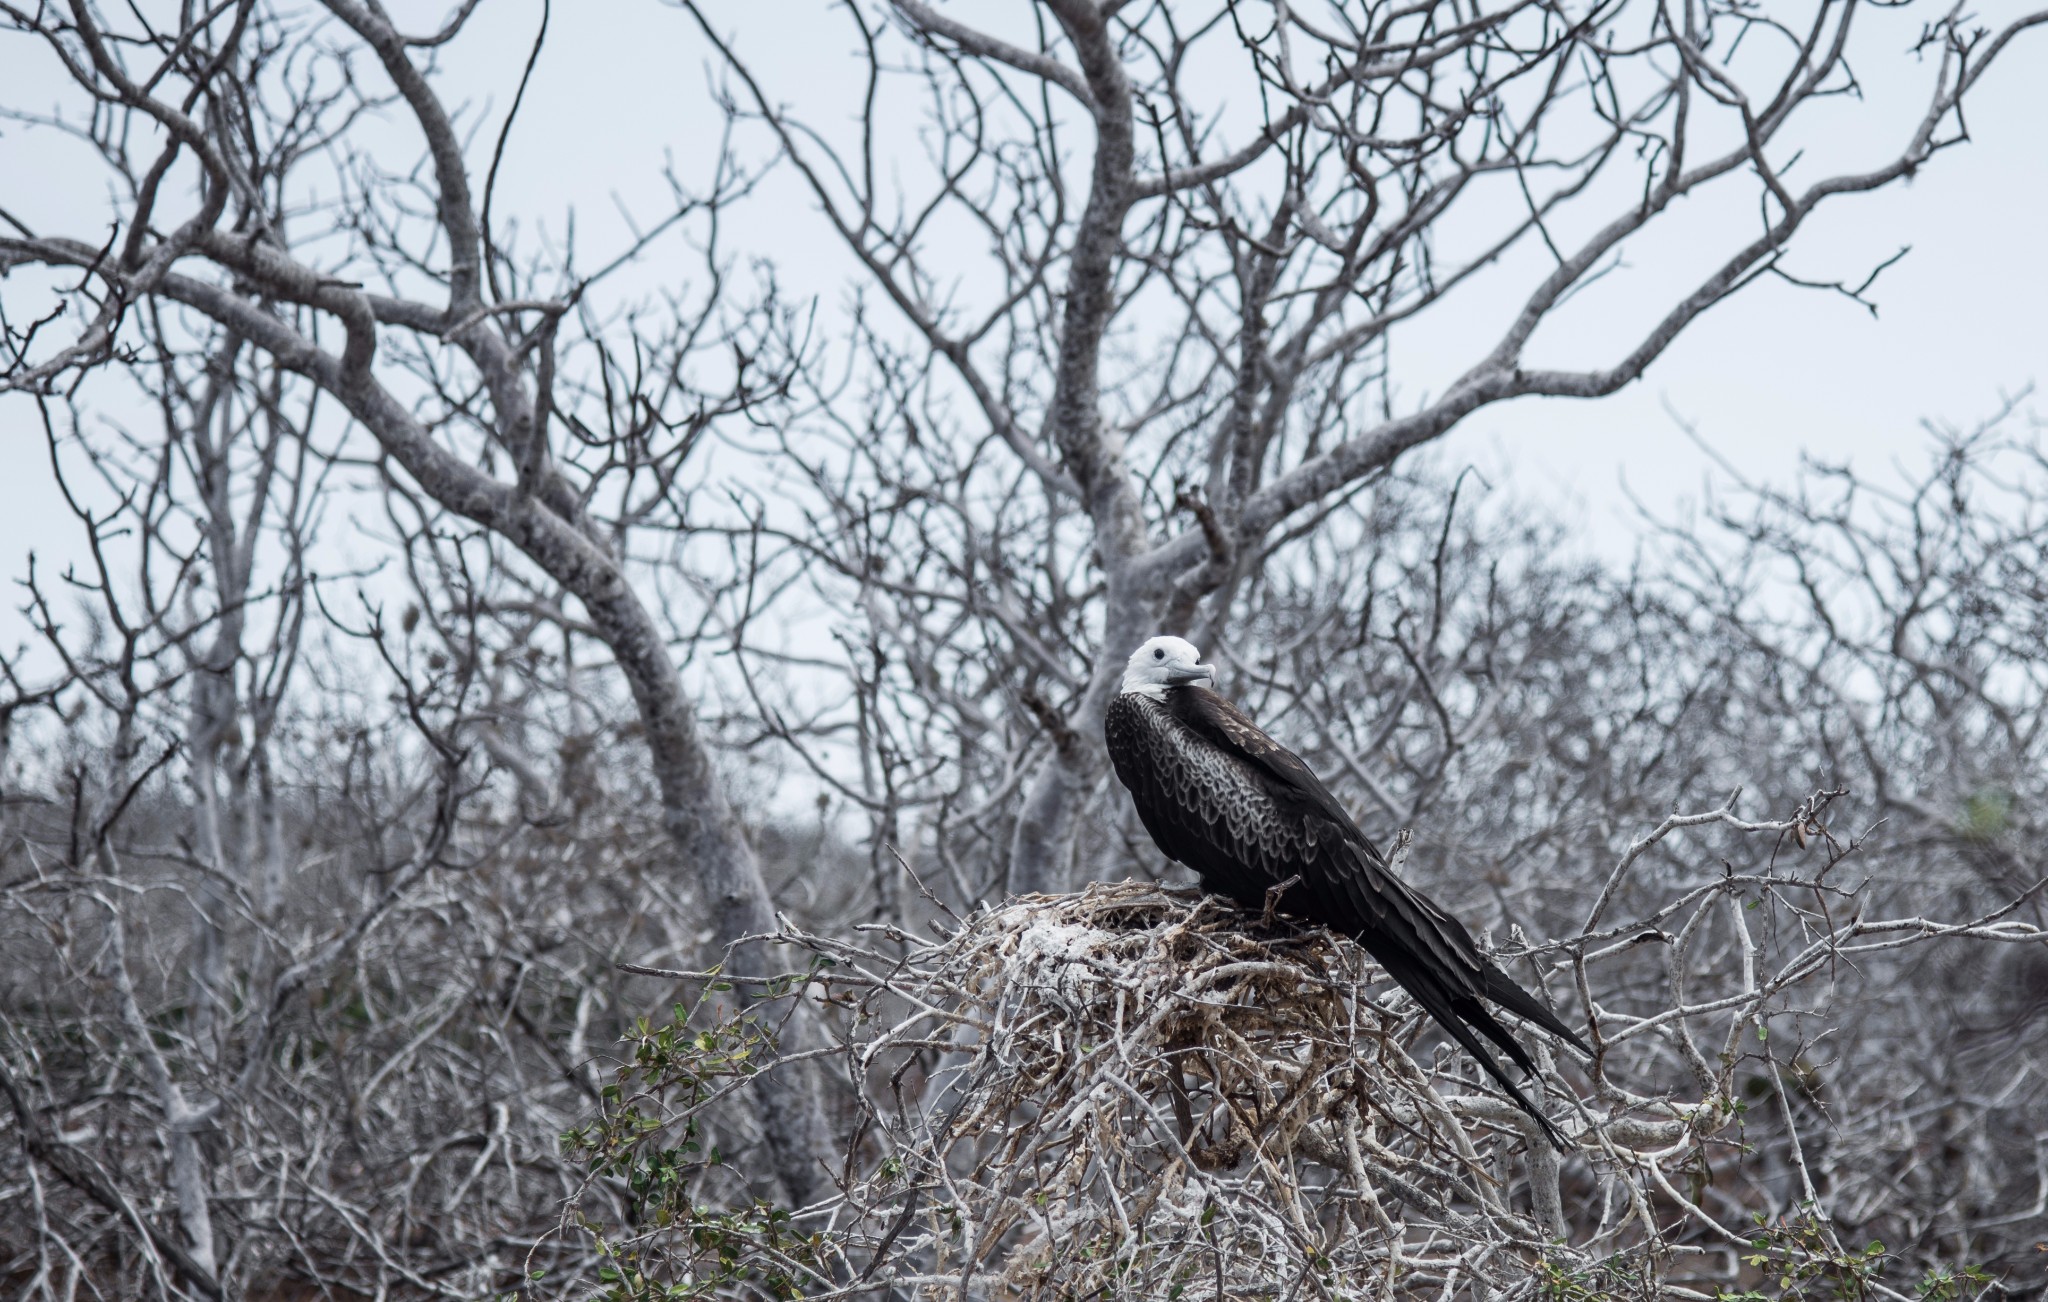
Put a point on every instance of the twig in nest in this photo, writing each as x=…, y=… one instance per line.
x=1273, y=895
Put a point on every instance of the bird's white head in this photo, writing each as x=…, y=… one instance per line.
x=1165, y=662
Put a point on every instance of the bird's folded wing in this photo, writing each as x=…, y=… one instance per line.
x=1349, y=877
x=1289, y=778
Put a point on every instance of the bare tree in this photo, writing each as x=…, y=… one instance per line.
x=242, y=116
x=310, y=910
x=1177, y=347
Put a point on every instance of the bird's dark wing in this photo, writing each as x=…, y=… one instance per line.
x=1291, y=781
x=1350, y=887
x=1203, y=806
x=1222, y=797
x=1353, y=890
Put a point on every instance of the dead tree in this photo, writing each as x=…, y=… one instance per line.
x=1206, y=232
x=424, y=335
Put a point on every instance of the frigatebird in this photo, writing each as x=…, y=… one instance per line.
x=1244, y=812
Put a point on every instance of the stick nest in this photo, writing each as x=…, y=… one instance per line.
x=1136, y=1091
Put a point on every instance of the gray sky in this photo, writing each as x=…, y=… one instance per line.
x=1775, y=374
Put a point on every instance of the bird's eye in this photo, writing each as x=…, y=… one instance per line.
x=1159, y=653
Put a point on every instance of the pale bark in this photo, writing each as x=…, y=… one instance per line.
x=1093, y=454
x=540, y=514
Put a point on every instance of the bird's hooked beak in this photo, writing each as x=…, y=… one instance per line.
x=1182, y=677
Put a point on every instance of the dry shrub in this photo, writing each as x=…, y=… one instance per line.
x=1138, y=1091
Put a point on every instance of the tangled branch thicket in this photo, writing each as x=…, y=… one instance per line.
x=1138, y=1091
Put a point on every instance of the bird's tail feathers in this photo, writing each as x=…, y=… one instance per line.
x=1501, y=989
x=1439, y=1004
x=1475, y=1014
